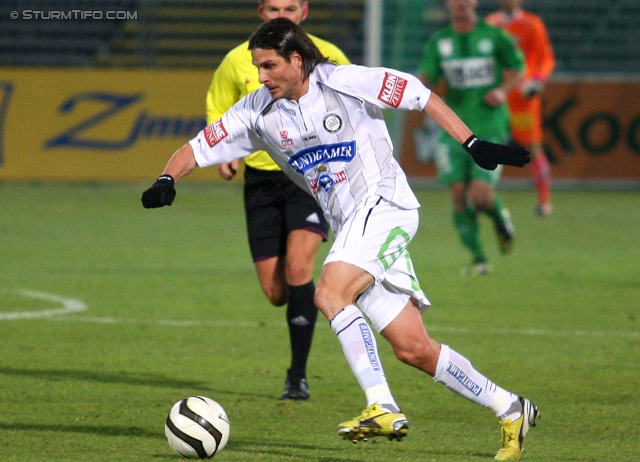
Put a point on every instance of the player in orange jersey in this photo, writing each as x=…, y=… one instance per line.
x=525, y=101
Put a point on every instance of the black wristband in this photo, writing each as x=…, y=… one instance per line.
x=470, y=144
x=164, y=178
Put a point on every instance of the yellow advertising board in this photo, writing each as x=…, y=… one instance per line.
x=97, y=125
x=123, y=125
x=591, y=133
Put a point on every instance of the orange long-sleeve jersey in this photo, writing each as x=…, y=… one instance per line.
x=531, y=36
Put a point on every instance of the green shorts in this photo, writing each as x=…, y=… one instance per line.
x=455, y=165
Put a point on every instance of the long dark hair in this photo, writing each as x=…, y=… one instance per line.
x=285, y=37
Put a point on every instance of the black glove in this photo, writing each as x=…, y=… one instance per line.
x=488, y=155
x=160, y=194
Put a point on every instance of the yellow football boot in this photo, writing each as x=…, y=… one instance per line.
x=375, y=421
x=513, y=432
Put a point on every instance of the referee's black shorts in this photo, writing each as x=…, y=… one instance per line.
x=274, y=207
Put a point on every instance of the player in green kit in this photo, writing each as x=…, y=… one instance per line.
x=474, y=65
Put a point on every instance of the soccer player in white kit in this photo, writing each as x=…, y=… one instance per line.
x=323, y=125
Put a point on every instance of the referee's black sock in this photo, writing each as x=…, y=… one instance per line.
x=301, y=318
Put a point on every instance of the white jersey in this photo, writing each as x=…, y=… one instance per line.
x=333, y=142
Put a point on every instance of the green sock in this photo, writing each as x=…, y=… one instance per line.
x=496, y=212
x=466, y=224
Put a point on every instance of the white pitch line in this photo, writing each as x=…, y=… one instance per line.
x=258, y=324
x=69, y=305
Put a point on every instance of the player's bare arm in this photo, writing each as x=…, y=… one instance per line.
x=163, y=192
x=446, y=118
x=181, y=163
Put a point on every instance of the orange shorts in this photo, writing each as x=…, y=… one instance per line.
x=526, y=118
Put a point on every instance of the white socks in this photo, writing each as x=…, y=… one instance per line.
x=457, y=374
x=453, y=370
x=360, y=348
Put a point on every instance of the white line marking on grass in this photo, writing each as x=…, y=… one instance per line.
x=260, y=324
x=167, y=322
x=534, y=331
x=69, y=305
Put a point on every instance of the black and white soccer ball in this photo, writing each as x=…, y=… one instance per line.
x=197, y=427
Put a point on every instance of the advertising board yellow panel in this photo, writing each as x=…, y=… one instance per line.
x=123, y=125
x=97, y=125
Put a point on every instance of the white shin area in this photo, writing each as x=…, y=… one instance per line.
x=361, y=350
x=456, y=373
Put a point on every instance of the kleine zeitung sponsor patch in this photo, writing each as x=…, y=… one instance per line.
x=392, y=89
x=215, y=133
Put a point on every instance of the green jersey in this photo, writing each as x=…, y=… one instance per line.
x=472, y=64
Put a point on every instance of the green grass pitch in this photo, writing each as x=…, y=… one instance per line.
x=110, y=313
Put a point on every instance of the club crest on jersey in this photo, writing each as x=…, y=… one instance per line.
x=327, y=180
x=392, y=89
x=332, y=123
x=322, y=154
x=485, y=46
x=445, y=47
x=215, y=133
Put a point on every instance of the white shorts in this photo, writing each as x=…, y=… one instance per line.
x=375, y=238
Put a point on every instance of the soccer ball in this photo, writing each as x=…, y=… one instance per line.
x=197, y=428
